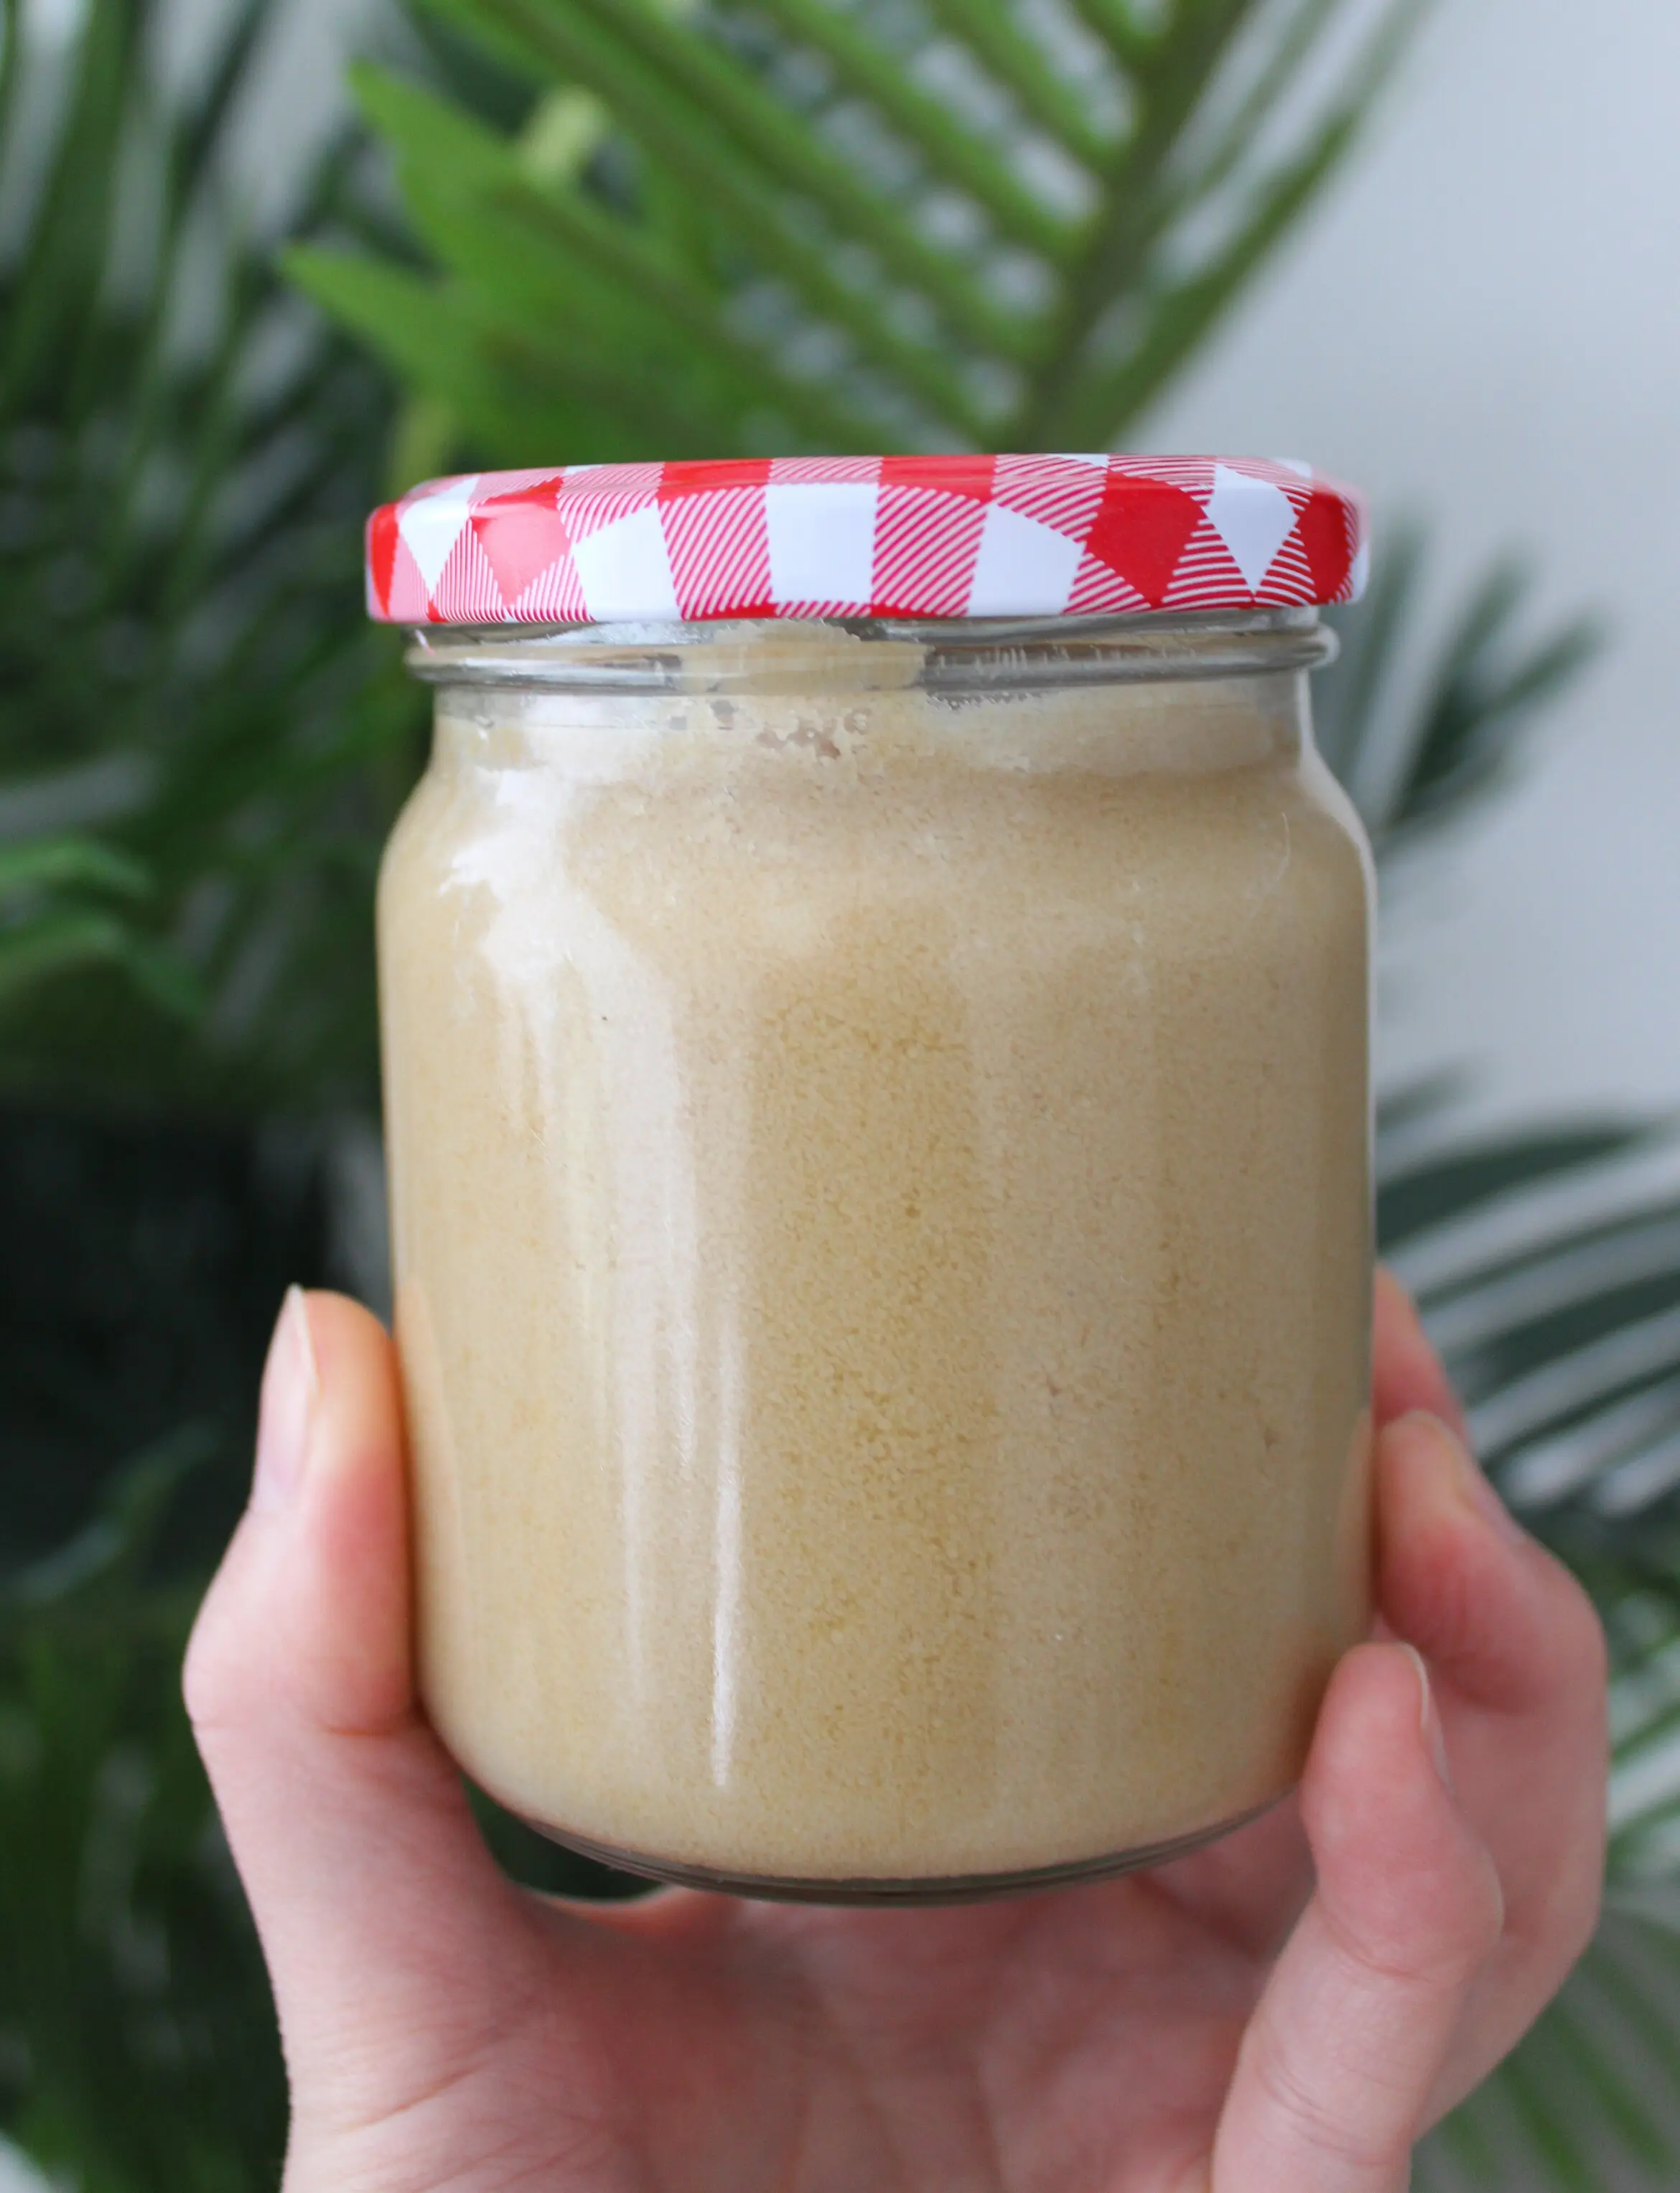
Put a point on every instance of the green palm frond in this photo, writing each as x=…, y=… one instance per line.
x=190, y=726
x=1589, y=2101
x=1411, y=758
x=723, y=229
x=137, y=2043
x=1547, y=1268
x=62, y=907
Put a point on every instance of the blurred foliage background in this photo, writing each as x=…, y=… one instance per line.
x=596, y=229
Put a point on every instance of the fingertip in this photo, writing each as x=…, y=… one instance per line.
x=1440, y=1450
x=1367, y=1744
x=309, y=1611
x=1374, y=1714
x=1406, y=1371
x=348, y=1341
x=350, y=1558
x=1399, y=1866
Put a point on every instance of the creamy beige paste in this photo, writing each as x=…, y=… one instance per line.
x=881, y=1232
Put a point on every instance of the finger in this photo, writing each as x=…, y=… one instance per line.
x=1252, y=1885
x=369, y=1884
x=1344, y=2053
x=1519, y=1662
x=1406, y=1372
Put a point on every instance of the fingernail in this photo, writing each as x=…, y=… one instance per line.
x=1453, y=1414
x=1473, y=1485
x=290, y=1385
x=1429, y=1719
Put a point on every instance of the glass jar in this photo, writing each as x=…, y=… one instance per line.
x=879, y=1137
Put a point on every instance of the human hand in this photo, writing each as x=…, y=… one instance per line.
x=1284, y=2013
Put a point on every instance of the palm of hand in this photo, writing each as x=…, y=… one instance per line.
x=1281, y=2013
x=1072, y=2040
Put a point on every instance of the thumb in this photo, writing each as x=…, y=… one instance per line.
x=379, y=1908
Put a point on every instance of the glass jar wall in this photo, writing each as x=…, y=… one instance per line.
x=879, y=1140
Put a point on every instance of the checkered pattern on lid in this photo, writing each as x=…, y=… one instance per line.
x=1003, y=536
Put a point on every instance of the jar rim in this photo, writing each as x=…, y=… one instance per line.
x=942, y=655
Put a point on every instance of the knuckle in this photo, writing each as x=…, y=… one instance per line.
x=1446, y=1969
x=1435, y=1953
x=1584, y=1925
x=1362, y=2144
x=224, y=1669
x=1575, y=1912
x=1592, y=1646
x=203, y=1670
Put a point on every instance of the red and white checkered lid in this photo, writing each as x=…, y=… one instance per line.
x=865, y=537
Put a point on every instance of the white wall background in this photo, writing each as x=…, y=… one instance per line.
x=1483, y=326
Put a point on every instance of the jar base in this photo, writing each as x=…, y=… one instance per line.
x=962, y=1888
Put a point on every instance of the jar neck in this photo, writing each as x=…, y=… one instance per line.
x=997, y=657
x=1022, y=723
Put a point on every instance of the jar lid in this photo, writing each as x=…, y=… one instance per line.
x=938, y=536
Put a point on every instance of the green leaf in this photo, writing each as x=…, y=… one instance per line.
x=975, y=163
x=144, y=2070
x=65, y=259
x=978, y=250
x=179, y=590
x=1592, y=2097
x=56, y=863
x=1409, y=768
x=1435, y=1190
x=678, y=92
x=1186, y=315
x=610, y=302
x=1055, y=101
x=1352, y=725
x=402, y=315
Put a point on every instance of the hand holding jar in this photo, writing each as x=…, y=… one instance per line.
x=1284, y=2013
x=875, y=990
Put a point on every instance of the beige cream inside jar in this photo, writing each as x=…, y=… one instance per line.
x=878, y=1142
